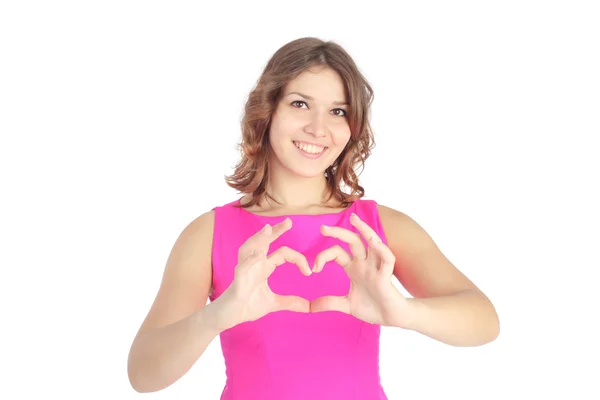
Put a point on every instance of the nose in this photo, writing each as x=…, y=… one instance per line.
x=317, y=125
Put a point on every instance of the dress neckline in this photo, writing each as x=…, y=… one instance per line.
x=346, y=210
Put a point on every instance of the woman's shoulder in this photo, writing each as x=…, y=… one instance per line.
x=392, y=217
x=202, y=225
x=373, y=206
x=401, y=229
x=228, y=204
x=384, y=211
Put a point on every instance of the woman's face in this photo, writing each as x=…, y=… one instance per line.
x=309, y=128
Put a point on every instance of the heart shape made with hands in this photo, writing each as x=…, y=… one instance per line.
x=372, y=296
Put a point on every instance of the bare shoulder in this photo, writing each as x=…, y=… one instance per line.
x=402, y=230
x=387, y=213
x=199, y=232
x=187, y=276
x=192, y=251
x=400, y=226
x=421, y=267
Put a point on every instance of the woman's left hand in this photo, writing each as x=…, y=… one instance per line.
x=372, y=296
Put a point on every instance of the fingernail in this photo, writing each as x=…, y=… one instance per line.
x=325, y=227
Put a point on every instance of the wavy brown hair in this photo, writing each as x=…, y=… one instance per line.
x=252, y=172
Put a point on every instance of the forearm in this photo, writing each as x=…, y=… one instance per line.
x=160, y=357
x=463, y=319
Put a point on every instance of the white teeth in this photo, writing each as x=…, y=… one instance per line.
x=309, y=148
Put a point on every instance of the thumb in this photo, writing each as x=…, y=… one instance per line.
x=291, y=303
x=331, y=303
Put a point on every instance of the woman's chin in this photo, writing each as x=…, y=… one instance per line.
x=306, y=173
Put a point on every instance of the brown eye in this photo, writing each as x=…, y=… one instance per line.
x=342, y=110
x=296, y=102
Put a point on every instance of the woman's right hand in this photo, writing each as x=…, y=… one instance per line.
x=249, y=296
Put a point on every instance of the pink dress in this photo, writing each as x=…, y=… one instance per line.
x=296, y=356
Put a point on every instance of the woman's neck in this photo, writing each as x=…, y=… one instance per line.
x=298, y=193
x=289, y=190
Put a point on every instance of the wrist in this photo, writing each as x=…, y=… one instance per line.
x=412, y=309
x=400, y=311
x=212, y=316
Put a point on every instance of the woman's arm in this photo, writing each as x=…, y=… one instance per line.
x=446, y=305
x=179, y=325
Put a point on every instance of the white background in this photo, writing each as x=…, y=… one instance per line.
x=119, y=120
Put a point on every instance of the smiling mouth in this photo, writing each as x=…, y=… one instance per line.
x=310, y=148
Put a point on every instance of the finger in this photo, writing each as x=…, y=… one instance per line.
x=357, y=246
x=252, y=243
x=285, y=254
x=331, y=303
x=334, y=253
x=263, y=238
x=385, y=255
x=291, y=303
x=279, y=229
x=254, y=258
x=365, y=230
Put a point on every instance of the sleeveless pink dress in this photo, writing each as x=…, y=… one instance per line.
x=296, y=356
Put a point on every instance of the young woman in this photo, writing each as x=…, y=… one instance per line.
x=299, y=269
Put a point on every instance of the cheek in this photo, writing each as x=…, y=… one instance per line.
x=281, y=129
x=276, y=131
x=289, y=118
x=341, y=137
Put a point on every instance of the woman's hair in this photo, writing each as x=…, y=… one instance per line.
x=251, y=173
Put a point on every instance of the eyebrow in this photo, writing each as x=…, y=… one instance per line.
x=307, y=97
